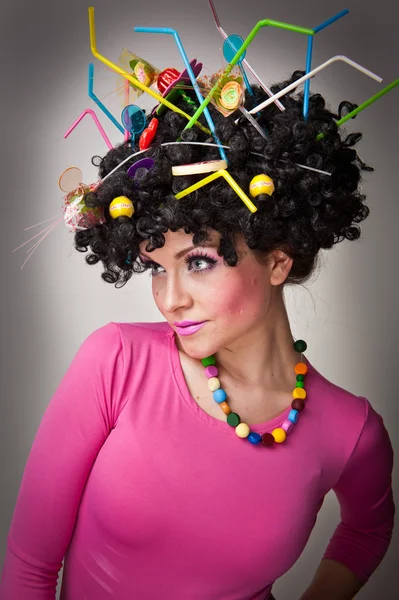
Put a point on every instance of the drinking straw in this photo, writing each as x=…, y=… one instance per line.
x=309, y=75
x=309, y=57
x=246, y=63
x=253, y=121
x=248, y=40
x=98, y=101
x=365, y=104
x=193, y=79
x=90, y=112
x=229, y=49
x=126, y=137
x=212, y=177
x=133, y=80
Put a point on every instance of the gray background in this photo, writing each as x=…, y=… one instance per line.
x=347, y=314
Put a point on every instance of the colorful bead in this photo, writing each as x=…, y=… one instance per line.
x=267, y=439
x=211, y=371
x=254, y=438
x=293, y=415
x=261, y=184
x=287, y=426
x=219, y=396
x=225, y=408
x=233, y=419
x=299, y=393
x=279, y=435
x=213, y=384
x=298, y=404
x=301, y=369
x=209, y=360
x=300, y=346
x=243, y=430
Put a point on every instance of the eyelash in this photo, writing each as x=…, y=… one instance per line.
x=188, y=260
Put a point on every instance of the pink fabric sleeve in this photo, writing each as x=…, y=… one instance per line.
x=75, y=424
x=364, y=492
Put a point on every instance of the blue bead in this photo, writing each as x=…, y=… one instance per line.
x=254, y=438
x=219, y=395
x=294, y=415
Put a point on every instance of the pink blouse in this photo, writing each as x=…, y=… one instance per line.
x=147, y=496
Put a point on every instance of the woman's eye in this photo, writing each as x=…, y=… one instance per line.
x=196, y=264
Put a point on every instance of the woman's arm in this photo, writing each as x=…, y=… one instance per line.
x=362, y=538
x=75, y=425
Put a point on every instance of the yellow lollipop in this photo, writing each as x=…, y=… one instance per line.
x=261, y=184
x=121, y=207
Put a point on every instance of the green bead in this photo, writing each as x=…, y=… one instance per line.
x=209, y=360
x=300, y=377
x=300, y=384
x=300, y=346
x=233, y=419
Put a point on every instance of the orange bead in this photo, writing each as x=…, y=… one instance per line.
x=301, y=368
x=225, y=408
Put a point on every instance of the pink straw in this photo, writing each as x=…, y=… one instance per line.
x=91, y=112
x=127, y=133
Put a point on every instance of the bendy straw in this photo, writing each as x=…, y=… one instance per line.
x=245, y=62
x=193, y=79
x=311, y=74
x=365, y=104
x=240, y=51
x=212, y=177
x=90, y=112
x=309, y=53
x=133, y=80
x=98, y=101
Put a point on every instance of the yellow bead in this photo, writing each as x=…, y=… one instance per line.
x=242, y=430
x=299, y=393
x=213, y=384
x=121, y=207
x=279, y=435
x=261, y=184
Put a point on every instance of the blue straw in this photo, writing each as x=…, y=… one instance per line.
x=98, y=102
x=309, y=57
x=189, y=70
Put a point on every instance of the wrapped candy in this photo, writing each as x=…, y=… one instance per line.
x=79, y=216
x=230, y=95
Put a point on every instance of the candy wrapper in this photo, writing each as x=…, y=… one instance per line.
x=230, y=94
x=77, y=215
x=144, y=71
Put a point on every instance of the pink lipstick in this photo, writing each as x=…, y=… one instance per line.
x=188, y=327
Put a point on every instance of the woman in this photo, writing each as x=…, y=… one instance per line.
x=189, y=460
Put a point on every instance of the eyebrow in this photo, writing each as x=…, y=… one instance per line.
x=181, y=253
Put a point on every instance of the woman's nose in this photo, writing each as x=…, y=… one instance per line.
x=175, y=294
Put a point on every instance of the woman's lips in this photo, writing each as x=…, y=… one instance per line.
x=189, y=329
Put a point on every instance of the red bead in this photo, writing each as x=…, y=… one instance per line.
x=298, y=404
x=267, y=439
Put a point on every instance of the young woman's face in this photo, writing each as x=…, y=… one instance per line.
x=192, y=284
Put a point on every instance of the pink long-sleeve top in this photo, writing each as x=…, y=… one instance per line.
x=147, y=496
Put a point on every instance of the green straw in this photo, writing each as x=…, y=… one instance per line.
x=235, y=59
x=362, y=106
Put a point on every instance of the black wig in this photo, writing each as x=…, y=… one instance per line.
x=307, y=211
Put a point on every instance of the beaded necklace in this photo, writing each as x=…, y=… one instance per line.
x=242, y=430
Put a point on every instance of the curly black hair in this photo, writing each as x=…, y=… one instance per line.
x=307, y=211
